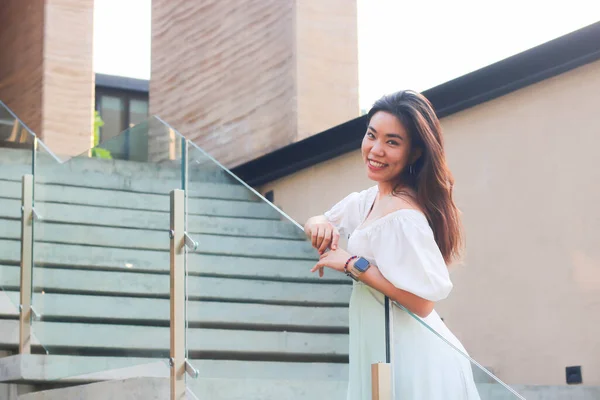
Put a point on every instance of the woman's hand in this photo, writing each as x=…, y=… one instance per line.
x=334, y=259
x=322, y=234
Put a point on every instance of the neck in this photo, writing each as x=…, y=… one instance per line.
x=385, y=188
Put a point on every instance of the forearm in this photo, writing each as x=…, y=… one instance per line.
x=375, y=279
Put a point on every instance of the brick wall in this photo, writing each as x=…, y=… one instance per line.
x=46, y=71
x=68, y=96
x=21, y=58
x=327, y=64
x=245, y=78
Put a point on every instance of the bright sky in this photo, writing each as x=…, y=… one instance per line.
x=402, y=43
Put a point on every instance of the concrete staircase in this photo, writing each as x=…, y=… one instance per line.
x=260, y=325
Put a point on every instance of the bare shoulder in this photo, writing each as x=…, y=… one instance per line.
x=405, y=201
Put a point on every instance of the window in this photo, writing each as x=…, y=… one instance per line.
x=121, y=109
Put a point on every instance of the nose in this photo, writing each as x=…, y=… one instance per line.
x=377, y=149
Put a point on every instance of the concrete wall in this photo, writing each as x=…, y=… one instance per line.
x=242, y=81
x=46, y=73
x=526, y=299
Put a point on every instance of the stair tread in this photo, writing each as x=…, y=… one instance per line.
x=80, y=257
x=41, y=367
x=120, y=203
x=78, y=307
x=136, y=222
x=58, y=253
x=19, y=162
x=201, y=388
x=132, y=284
x=137, y=340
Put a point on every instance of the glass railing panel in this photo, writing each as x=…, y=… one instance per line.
x=459, y=372
x=259, y=323
x=14, y=134
x=101, y=255
x=17, y=142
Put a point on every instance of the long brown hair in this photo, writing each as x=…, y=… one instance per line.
x=429, y=176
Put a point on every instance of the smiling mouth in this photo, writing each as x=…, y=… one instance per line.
x=376, y=164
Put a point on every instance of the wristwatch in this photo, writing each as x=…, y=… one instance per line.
x=360, y=266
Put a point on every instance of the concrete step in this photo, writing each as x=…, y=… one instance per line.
x=149, y=311
x=202, y=388
x=65, y=256
x=10, y=176
x=199, y=169
x=85, y=369
x=147, y=202
x=100, y=236
x=110, y=283
x=94, y=258
x=133, y=340
x=140, y=246
x=301, y=385
x=77, y=220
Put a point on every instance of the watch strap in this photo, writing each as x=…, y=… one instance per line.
x=347, y=271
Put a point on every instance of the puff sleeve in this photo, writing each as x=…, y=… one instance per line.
x=345, y=215
x=407, y=255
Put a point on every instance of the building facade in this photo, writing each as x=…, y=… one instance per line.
x=521, y=140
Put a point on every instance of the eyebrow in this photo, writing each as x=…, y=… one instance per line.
x=394, y=135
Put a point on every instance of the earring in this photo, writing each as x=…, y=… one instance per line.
x=411, y=170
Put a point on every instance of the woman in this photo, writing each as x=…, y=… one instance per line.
x=403, y=233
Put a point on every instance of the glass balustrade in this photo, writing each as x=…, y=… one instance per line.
x=101, y=256
x=259, y=323
x=480, y=382
x=17, y=142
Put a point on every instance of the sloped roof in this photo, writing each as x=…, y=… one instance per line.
x=536, y=64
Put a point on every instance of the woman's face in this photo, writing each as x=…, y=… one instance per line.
x=386, y=148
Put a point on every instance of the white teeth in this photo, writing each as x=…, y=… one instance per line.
x=376, y=164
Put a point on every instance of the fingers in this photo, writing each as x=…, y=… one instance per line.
x=320, y=269
x=315, y=237
x=326, y=240
x=316, y=267
x=335, y=240
x=322, y=237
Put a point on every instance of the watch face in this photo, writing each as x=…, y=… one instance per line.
x=361, y=264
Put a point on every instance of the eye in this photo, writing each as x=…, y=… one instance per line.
x=393, y=142
x=370, y=135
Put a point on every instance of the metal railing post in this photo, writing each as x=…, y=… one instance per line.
x=25, y=309
x=177, y=248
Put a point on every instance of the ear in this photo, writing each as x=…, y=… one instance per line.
x=416, y=154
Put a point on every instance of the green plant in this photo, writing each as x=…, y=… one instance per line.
x=97, y=151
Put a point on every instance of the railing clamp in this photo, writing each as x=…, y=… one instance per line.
x=191, y=371
x=35, y=314
x=190, y=243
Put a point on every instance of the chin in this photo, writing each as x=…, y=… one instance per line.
x=374, y=176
